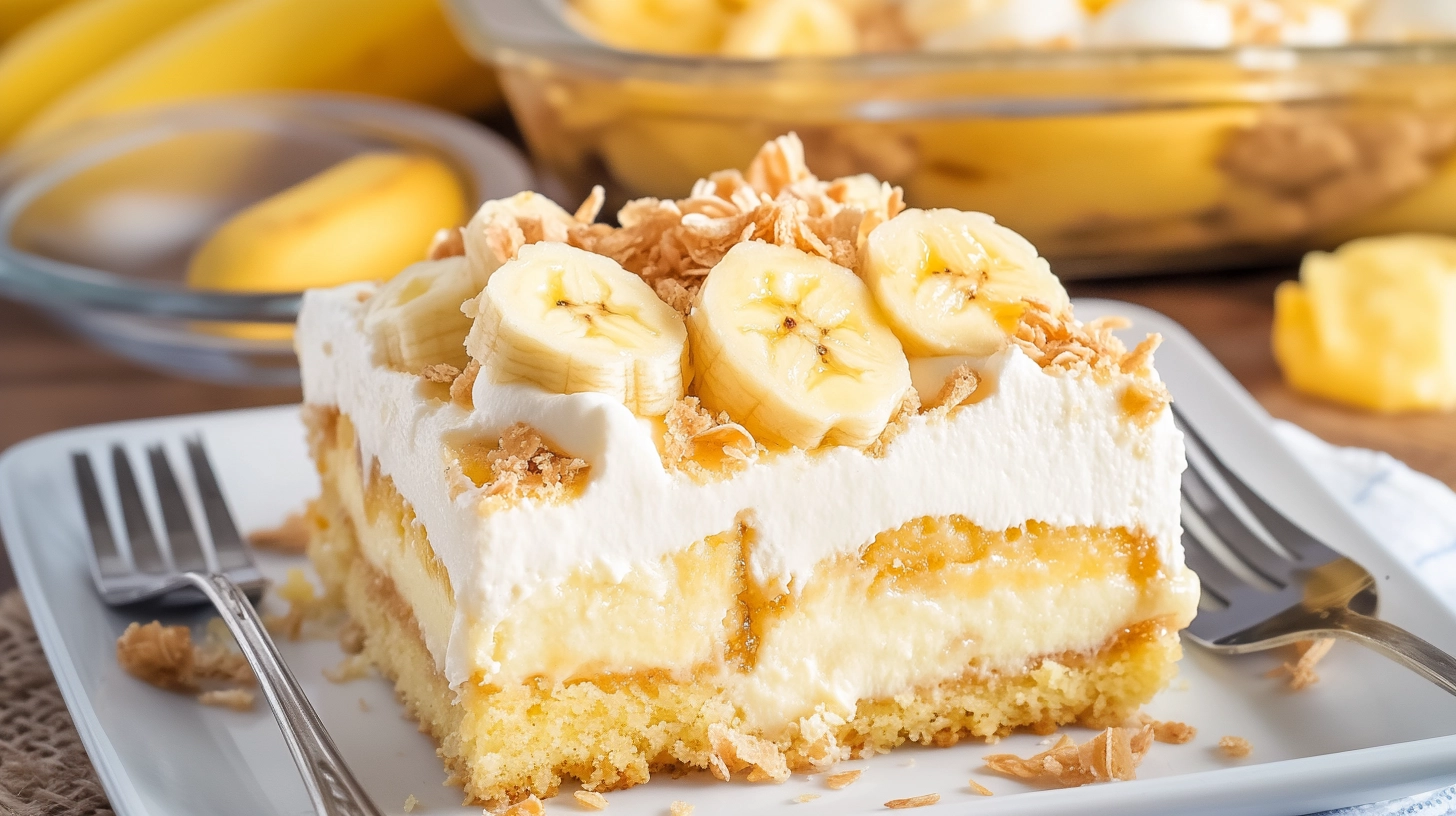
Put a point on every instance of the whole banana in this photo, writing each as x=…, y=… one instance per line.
x=571, y=321
x=953, y=282
x=793, y=348
x=398, y=48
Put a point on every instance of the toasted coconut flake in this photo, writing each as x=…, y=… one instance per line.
x=447, y=243
x=1235, y=747
x=591, y=800
x=440, y=373
x=913, y=802
x=462, y=387
x=592, y=206
x=899, y=423
x=1113, y=754
x=1058, y=342
x=290, y=537
x=1301, y=672
x=702, y=445
x=236, y=699
x=530, y=806
x=735, y=751
x=842, y=779
x=675, y=294
x=159, y=655
x=979, y=789
x=959, y=386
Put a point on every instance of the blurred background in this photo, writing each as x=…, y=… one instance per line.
x=1278, y=175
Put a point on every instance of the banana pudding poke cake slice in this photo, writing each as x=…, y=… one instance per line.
x=762, y=479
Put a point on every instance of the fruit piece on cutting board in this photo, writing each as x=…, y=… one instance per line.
x=1373, y=324
x=365, y=218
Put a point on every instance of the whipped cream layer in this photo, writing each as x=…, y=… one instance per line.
x=1057, y=449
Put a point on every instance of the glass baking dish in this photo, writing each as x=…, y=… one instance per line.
x=1111, y=162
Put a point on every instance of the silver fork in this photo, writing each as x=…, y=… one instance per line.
x=187, y=573
x=1308, y=590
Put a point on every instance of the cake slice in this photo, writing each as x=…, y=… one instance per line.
x=762, y=479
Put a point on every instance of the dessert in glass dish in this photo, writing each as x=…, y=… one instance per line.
x=765, y=478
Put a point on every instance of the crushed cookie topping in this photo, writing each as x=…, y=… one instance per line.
x=523, y=467
x=842, y=780
x=923, y=800
x=440, y=373
x=680, y=809
x=980, y=790
x=1171, y=732
x=1301, y=672
x=1113, y=754
x=958, y=388
x=698, y=443
x=591, y=800
x=462, y=388
x=530, y=806
x=290, y=537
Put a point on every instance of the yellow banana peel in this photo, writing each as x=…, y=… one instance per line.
x=396, y=48
x=17, y=15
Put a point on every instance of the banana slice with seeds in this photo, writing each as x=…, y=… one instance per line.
x=794, y=348
x=570, y=321
x=952, y=282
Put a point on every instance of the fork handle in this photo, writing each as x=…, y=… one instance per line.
x=1398, y=644
x=332, y=788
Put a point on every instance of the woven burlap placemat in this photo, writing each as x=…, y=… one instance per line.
x=44, y=770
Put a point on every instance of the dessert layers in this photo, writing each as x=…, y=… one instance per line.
x=1062, y=451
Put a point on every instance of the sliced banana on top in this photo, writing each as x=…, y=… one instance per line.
x=952, y=282
x=570, y=321
x=793, y=347
x=415, y=317
x=500, y=227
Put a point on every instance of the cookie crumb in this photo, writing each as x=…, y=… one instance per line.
x=530, y=806
x=1301, y=672
x=680, y=809
x=923, y=800
x=1113, y=754
x=842, y=780
x=806, y=797
x=1235, y=747
x=236, y=699
x=410, y=803
x=591, y=800
x=290, y=537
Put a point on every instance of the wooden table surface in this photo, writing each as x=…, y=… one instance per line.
x=49, y=380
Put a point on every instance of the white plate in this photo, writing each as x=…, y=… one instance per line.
x=1368, y=731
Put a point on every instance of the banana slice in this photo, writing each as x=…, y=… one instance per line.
x=569, y=321
x=502, y=226
x=415, y=318
x=793, y=347
x=792, y=28
x=952, y=282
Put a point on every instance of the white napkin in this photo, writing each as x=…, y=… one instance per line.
x=1414, y=516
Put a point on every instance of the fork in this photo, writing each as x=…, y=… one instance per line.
x=1266, y=596
x=188, y=574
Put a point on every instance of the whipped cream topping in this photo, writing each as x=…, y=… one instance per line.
x=1409, y=20
x=1163, y=23
x=1013, y=24
x=1040, y=446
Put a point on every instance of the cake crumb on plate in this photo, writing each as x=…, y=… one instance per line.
x=842, y=780
x=591, y=800
x=1235, y=747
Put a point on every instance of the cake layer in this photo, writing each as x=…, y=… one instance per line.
x=933, y=599
x=1062, y=449
x=611, y=731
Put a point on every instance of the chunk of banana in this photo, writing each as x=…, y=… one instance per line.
x=952, y=282
x=792, y=28
x=570, y=321
x=794, y=348
x=500, y=227
x=415, y=318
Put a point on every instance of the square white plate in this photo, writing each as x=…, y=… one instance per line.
x=1368, y=731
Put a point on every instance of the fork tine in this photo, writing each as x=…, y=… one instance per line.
x=106, y=560
x=1232, y=530
x=227, y=544
x=1215, y=578
x=181, y=535
x=1291, y=536
x=145, y=554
